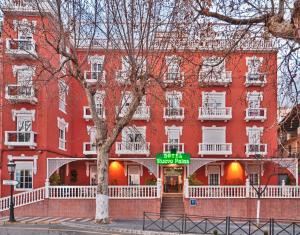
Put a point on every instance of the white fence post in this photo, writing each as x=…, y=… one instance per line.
x=186, y=188
x=47, y=184
x=159, y=184
x=247, y=187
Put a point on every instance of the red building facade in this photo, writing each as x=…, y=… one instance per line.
x=224, y=116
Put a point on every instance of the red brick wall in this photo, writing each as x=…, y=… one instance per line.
x=246, y=208
x=119, y=209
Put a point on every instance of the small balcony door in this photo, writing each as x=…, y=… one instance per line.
x=133, y=172
x=24, y=126
x=174, y=139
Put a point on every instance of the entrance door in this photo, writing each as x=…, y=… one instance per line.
x=173, y=179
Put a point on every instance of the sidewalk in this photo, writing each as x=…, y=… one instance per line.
x=130, y=227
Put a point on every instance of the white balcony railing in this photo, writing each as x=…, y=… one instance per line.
x=87, y=115
x=142, y=148
x=215, y=79
x=20, y=93
x=167, y=147
x=142, y=113
x=95, y=77
x=174, y=78
x=256, y=114
x=21, y=47
x=254, y=149
x=173, y=113
x=215, y=149
x=207, y=113
x=20, y=138
x=89, y=148
x=26, y=5
x=257, y=79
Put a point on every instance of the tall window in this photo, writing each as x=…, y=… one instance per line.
x=63, y=91
x=134, y=138
x=23, y=174
x=173, y=133
x=213, y=173
x=173, y=103
x=62, y=128
x=96, y=70
x=99, y=96
x=254, y=178
x=213, y=67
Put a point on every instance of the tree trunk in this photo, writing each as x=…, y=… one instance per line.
x=258, y=211
x=102, y=215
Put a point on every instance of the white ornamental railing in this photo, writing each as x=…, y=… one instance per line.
x=179, y=147
x=87, y=115
x=21, y=46
x=256, y=79
x=217, y=191
x=20, y=138
x=115, y=192
x=256, y=114
x=174, y=78
x=208, y=113
x=133, y=148
x=22, y=199
x=89, y=148
x=25, y=5
x=253, y=149
x=270, y=191
x=215, y=79
x=18, y=92
x=215, y=149
x=142, y=112
x=172, y=113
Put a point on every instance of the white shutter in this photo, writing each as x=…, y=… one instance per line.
x=24, y=77
x=254, y=136
x=133, y=170
x=24, y=123
x=24, y=165
x=213, y=99
x=173, y=135
x=214, y=135
x=213, y=170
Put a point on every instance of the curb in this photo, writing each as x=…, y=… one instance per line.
x=118, y=230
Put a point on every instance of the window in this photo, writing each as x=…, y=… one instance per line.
x=213, y=66
x=213, y=99
x=173, y=138
x=23, y=174
x=62, y=128
x=254, y=134
x=96, y=70
x=214, y=135
x=173, y=64
x=254, y=178
x=133, y=174
x=134, y=138
x=254, y=99
x=213, y=173
x=173, y=103
x=99, y=96
x=254, y=64
x=63, y=89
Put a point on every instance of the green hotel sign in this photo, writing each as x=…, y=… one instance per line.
x=173, y=158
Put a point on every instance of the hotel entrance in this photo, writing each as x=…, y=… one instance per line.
x=173, y=179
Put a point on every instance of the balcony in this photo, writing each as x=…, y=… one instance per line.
x=173, y=113
x=141, y=113
x=87, y=115
x=95, y=77
x=23, y=48
x=167, y=147
x=256, y=149
x=142, y=148
x=215, y=149
x=20, y=93
x=256, y=114
x=174, y=78
x=26, y=6
x=215, y=79
x=257, y=79
x=20, y=139
x=89, y=148
x=122, y=77
x=207, y=113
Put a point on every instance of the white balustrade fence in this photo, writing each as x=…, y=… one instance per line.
x=271, y=191
x=25, y=198
x=131, y=192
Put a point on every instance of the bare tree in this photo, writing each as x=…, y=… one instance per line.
x=136, y=29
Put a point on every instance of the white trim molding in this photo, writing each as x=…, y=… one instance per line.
x=22, y=157
x=23, y=112
x=96, y=59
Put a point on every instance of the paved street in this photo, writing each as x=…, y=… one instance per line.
x=21, y=229
x=46, y=220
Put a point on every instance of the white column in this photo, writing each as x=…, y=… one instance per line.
x=186, y=188
x=159, y=183
x=47, y=184
x=247, y=187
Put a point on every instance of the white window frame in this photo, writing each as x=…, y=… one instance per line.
x=254, y=64
x=253, y=169
x=62, y=128
x=211, y=171
x=173, y=67
x=251, y=130
x=99, y=102
x=24, y=166
x=134, y=130
x=210, y=65
x=254, y=99
x=174, y=95
x=63, y=90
